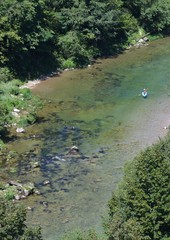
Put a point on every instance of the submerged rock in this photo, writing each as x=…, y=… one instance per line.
x=46, y=182
x=35, y=165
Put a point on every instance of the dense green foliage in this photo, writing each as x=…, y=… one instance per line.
x=13, y=97
x=93, y=28
x=140, y=208
x=48, y=33
x=24, y=35
x=12, y=223
x=39, y=36
x=152, y=15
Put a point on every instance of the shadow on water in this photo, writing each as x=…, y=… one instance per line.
x=100, y=111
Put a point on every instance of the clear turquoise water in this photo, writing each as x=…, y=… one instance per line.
x=100, y=110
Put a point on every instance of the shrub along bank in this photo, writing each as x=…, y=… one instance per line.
x=17, y=105
x=13, y=223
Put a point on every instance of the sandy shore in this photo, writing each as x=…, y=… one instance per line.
x=31, y=84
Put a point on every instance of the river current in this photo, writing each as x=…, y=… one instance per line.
x=101, y=111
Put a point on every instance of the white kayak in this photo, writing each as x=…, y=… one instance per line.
x=144, y=94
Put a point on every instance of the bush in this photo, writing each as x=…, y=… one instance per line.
x=12, y=222
x=9, y=194
x=5, y=75
x=2, y=145
x=69, y=63
x=136, y=36
x=26, y=93
x=26, y=120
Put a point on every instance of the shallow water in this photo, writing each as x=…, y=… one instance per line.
x=101, y=111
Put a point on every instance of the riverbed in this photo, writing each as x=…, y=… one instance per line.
x=101, y=111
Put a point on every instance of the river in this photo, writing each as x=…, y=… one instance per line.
x=101, y=111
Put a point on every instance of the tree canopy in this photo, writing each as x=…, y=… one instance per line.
x=152, y=15
x=140, y=208
x=39, y=36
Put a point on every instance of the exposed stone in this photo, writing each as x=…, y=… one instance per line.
x=17, y=197
x=37, y=192
x=45, y=204
x=146, y=39
x=15, y=114
x=29, y=208
x=20, y=130
x=16, y=110
x=73, y=150
x=20, y=191
x=59, y=159
x=36, y=165
x=14, y=183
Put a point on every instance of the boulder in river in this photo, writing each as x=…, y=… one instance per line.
x=20, y=130
x=73, y=150
x=16, y=190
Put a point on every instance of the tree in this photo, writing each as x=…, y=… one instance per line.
x=25, y=35
x=93, y=28
x=12, y=223
x=156, y=18
x=152, y=15
x=140, y=208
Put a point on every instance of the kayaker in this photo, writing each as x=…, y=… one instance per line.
x=144, y=93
